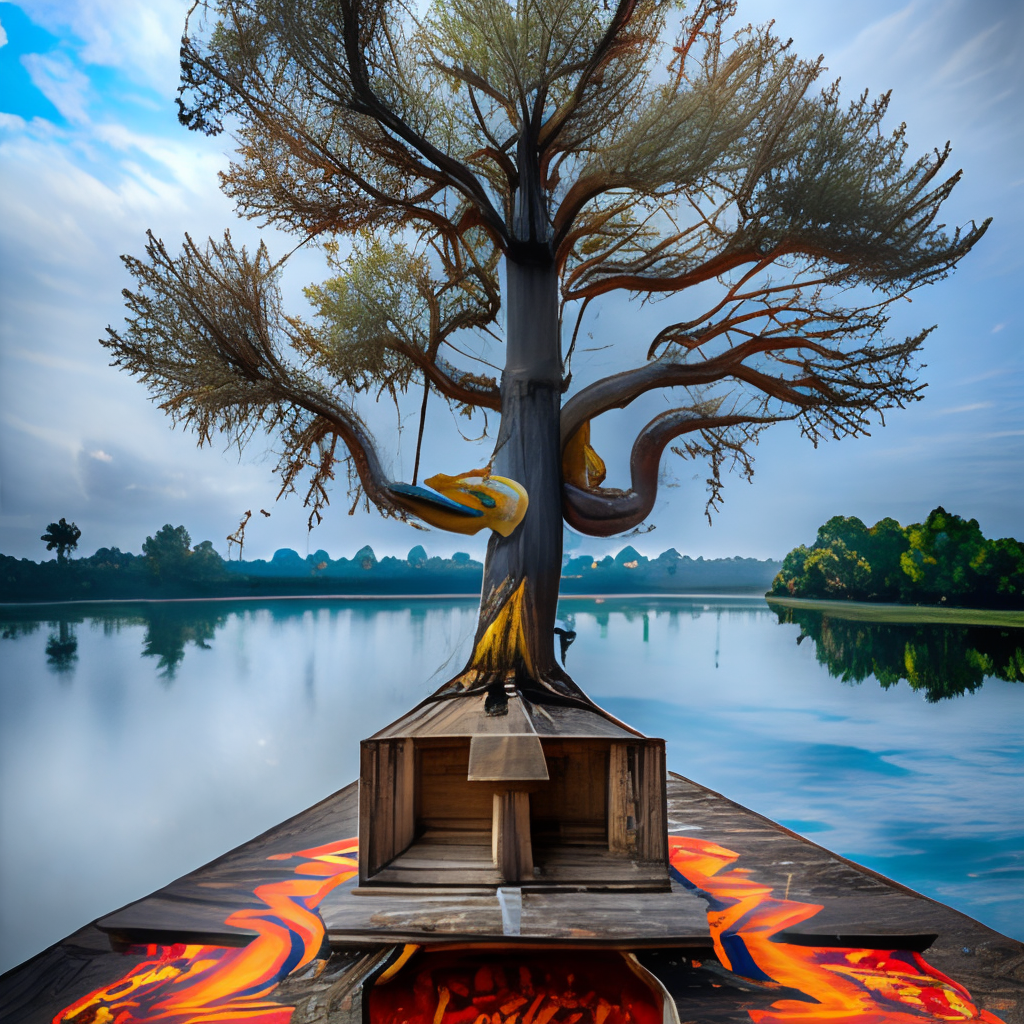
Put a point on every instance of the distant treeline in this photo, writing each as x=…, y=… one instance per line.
x=171, y=567
x=944, y=560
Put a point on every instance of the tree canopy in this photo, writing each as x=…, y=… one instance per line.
x=489, y=170
x=671, y=152
x=63, y=536
x=945, y=559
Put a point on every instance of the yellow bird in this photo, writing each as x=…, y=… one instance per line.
x=466, y=503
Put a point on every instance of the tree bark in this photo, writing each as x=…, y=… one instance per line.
x=514, y=644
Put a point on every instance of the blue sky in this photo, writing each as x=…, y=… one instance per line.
x=91, y=155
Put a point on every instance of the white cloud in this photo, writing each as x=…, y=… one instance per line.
x=60, y=82
x=101, y=456
x=54, y=436
x=3, y=36
x=139, y=37
x=972, y=407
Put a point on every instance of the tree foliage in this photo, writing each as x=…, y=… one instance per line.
x=63, y=536
x=169, y=556
x=635, y=148
x=945, y=559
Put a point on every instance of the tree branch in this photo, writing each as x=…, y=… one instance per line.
x=601, y=512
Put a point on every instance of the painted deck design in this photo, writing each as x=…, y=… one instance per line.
x=668, y=930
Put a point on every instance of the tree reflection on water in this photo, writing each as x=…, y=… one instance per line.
x=940, y=661
x=62, y=647
x=170, y=628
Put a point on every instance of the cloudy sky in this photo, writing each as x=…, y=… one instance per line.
x=91, y=155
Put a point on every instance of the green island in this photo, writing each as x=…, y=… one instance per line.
x=170, y=568
x=944, y=564
x=933, y=603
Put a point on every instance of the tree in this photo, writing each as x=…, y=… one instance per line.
x=170, y=557
x=583, y=149
x=167, y=551
x=63, y=536
x=945, y=558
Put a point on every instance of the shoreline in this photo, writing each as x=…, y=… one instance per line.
x=869, y=611
x=746, y=595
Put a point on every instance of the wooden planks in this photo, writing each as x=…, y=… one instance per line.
x=193, y=908
x=506, y=758
x=607, y=919
x=466, y=716
x=386, y=793
x=637, y=809
x=858, y=906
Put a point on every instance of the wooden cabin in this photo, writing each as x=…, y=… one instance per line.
x=543, y=795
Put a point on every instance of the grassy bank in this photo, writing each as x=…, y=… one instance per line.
x=871, y=612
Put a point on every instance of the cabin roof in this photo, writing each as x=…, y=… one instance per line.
x=466, y=716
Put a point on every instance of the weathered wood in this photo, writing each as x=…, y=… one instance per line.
x=858, y=905
x=576, y=794
x=194, y=907
x=651, y=806
x=989, y=965
x=386, y=769
x=506, y=758
x=444, y=797
x=511, y=845
x=621, y=802
x=467, y=716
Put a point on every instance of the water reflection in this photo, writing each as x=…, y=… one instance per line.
x=170, y=629
x=62, y=647
x=939, y=661
x=180, y=730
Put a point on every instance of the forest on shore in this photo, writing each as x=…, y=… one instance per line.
x=946, y=560
x=171, y=567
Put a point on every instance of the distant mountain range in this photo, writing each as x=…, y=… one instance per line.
x=200, y=572
x=627, y=572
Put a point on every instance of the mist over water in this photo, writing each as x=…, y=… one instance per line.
x=140, y=741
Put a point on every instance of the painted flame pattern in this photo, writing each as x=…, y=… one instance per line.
x=183, y=984
x=194, y=984
x=851, y=986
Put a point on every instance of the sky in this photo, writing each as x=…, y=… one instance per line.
x=92, y=155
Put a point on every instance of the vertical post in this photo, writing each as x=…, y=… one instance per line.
x=652, y=806
x=386, y=797
x=622, y=799
x=511, y=846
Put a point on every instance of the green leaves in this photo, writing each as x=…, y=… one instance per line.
x=944, y=560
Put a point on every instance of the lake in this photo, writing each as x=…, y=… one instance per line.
x=138, y=741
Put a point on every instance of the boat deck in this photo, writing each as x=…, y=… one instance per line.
x=668, y=930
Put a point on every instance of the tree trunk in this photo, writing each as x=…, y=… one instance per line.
x=514, y=644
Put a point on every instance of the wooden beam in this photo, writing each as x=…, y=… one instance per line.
x=511, y=846
x=506, y=759
x=621, y=799
x=651, y=803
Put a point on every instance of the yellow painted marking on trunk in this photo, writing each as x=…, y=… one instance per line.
x=504, y=641
x=581, y=465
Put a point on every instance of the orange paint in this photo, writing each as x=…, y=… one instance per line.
x=183, y=984
x=852, y=986
x=193, y=984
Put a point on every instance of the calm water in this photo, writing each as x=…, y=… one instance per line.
x=139, y=741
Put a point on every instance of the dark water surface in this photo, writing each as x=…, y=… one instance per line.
x=140, y=741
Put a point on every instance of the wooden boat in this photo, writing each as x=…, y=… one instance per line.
x=531, y=866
